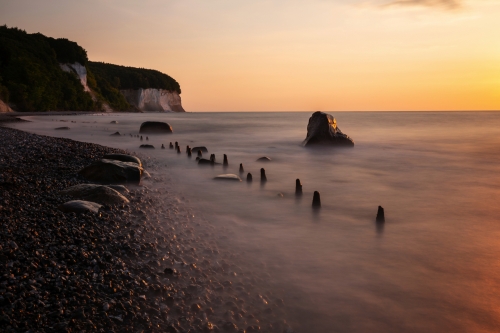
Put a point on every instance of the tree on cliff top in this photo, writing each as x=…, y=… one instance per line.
x=123, y=77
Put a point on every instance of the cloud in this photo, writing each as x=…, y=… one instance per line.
x=443, y=4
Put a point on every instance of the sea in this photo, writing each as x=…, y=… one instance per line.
x=433, y=266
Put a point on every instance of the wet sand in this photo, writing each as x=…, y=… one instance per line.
x=146, y=266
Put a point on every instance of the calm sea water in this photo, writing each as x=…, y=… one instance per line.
x=433, y=267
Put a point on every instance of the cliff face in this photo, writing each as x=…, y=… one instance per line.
x=154, y=99
x=79, y=70
x=4, y=107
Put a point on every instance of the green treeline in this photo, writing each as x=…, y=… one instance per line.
x=123, y=77
x=31, y=78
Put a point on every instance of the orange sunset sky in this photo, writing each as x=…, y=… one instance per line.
x=291, y=55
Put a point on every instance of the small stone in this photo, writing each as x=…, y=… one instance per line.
x=228, y=176
x=105, y=306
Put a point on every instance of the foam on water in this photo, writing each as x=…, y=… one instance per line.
x=433, y=266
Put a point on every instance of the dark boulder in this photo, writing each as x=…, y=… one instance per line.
x=112, y=172
x=203, y=149
x=123, y=158
x=322, y=130
x=115, y=134
x=155, y=127
x=264, y=159
x=147, y=146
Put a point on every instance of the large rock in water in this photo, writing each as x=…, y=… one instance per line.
x=112, y=172
x=95, y=193
x=322, y=130
x=155, y=127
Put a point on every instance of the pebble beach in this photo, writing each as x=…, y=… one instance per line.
x=143, y=266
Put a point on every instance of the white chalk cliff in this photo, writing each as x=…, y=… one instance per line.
x=154, y=99
x=4, y=107
x=142, y=99
x=79, y=70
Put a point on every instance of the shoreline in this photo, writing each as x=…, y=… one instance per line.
x=144, y=266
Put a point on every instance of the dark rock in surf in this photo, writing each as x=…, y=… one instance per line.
x=225, y=162
x=241, y=168
x=123, y=158
x=178, y=149
x=115, y=134
x=264, y=159
x=199, y=153
x=298, y=187
x=113, y=122
x=380, y=215
x=228, y=176
x=171, y=146
x=203, y=149
x=204, y=161
x=162, y=146
x=322, y=130
x=112, y=172
x=147, y=146
x=316, y=200
x=155, y=127
x=249, y=177
x=189, y=152
x=62, y=128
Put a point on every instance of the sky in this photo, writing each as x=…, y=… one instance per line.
x=291, y=55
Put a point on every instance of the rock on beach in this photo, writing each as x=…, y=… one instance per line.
x=96, y=193
x=79, y=206
x=112, y=172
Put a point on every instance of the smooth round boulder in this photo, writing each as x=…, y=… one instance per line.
x=79, y=206
x=113, y=122
x=120, y=188
x=264, y=159
x=228, y=176
x=155, y=127
x=123, y=158
x=95, y=193
x=112, y=172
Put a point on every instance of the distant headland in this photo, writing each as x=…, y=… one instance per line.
x=39, y=73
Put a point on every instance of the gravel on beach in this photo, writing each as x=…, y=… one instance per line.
x=144, y=266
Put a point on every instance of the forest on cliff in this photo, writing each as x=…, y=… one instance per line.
x=31, y=78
